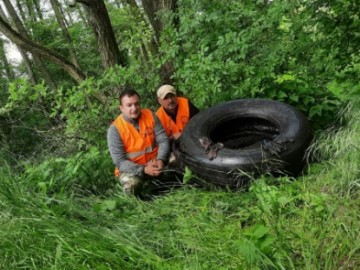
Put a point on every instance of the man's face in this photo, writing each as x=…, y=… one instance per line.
x=130, y=106
x=169, y=103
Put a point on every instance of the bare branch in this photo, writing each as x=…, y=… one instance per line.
x=33, y=47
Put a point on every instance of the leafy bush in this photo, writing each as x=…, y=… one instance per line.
x=24, y=119
x=282, y=50
x=87, y=172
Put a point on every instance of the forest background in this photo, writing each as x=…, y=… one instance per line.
x=60, y=206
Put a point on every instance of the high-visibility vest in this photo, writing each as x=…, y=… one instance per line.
x=183, y=115
x=140, y=146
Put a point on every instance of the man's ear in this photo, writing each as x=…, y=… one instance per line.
x=120, y=107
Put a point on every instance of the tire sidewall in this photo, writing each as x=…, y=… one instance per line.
x=291, y=124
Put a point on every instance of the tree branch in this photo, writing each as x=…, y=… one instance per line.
x=33, y=47
x=72, y=3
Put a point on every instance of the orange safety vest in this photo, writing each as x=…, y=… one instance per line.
x=183, y=115
x=140, y=146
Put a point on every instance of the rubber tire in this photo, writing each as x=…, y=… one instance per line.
x=245, y=127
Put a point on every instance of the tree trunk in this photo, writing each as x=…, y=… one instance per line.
x=117, y=3
x=35, y=14
x=26, y=60
x=30, y=10
x=138, y=16
x=20, y=9
x=151, y=9
x=102, y=28
x=8, y=71
x=38, y=9
x=82, y=15
x=13, y=15
x=61, y=20
x=35, y=48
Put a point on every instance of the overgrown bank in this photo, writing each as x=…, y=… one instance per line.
x=60, y=207
x=309, y=223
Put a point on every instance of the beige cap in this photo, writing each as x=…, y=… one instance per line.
x=164, y=90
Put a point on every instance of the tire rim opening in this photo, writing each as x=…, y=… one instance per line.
x=244, y=132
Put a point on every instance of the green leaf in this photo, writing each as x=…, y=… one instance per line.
x=109, y=205
x=267, y=243
x=187, y=175
x=247, y=250
x=294, y=98
x=282, y=94
x=259, y=230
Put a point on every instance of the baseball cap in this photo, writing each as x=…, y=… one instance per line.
x=164, y=90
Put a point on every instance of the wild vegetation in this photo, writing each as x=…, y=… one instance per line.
x=60, y=206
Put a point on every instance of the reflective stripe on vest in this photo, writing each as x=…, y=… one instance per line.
x=183, y=115
x=139, y=145
x=133, y=155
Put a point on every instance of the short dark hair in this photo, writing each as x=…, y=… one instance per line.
x=127, y=90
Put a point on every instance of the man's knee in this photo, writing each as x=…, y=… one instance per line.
x=131, y=184
x=173, y=162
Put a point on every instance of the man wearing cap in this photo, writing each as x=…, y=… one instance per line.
x=174, y=112
x=137, y=143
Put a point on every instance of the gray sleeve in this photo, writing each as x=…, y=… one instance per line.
x=118, y=155
x=162, y=140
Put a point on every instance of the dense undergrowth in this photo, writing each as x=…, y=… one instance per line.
x=49, y=222
x=60, y=207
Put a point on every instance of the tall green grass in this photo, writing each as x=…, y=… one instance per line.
x=280, y=223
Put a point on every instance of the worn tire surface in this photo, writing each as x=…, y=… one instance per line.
x=258, y=136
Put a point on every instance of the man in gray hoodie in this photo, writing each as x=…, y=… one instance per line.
x=137, y=143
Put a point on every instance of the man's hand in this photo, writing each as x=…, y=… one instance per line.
x=154, y=167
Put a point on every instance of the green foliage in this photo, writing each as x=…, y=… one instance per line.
x=23, y=120
x=278, y=224
x=257, y=245
x=83, y=42
x=133, y=32
x=64, y=209
x=60, y=232
x=90, y=108
x=70, y=119
x=87, y=171
x=283, y=50
x=346, y=82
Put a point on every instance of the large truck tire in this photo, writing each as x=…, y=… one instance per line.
x=229, y=142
